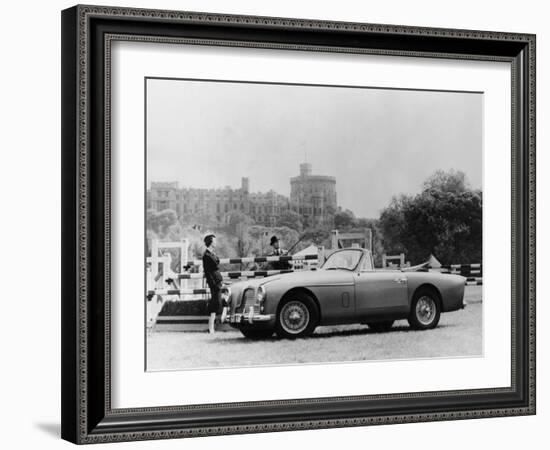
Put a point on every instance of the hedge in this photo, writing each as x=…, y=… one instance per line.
x=184, y=308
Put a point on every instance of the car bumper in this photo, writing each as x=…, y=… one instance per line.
x=250, y=318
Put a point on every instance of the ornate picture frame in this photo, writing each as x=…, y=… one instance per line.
x=88, y=33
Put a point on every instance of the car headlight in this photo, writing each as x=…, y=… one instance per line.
x=226, y=295
x=260, y=295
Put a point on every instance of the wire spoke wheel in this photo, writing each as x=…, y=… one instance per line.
x=297, y=316
x=294, y=317
x=425, y=310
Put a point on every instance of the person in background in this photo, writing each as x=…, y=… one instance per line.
x=278, y=251
x=214, y=279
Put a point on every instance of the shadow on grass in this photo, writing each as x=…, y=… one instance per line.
x=325, y=334
x=367, y=331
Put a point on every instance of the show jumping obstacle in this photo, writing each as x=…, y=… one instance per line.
x=188, y=285
x=164, y=285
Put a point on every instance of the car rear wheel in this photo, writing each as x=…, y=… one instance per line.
x=381, y=326
x=425, y=310
x=257, y=334
x=297, y=316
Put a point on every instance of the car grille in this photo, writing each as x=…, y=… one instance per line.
x=249, y=300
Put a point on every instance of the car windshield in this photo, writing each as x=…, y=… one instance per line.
x=347, y=260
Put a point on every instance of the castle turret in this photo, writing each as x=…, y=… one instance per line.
x=305, y=169
x=313, y=196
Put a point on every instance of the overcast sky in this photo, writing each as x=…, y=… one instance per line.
x=376, y=142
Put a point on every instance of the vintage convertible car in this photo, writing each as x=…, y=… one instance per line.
x=346, y=289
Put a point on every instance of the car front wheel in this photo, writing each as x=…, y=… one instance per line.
x=425, y=310
x=297, y=316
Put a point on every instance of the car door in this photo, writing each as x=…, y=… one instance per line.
x=335, y=291
x=380, y=292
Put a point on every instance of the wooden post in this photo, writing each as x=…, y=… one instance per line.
x=320, y=255
x=154, y=257
x=369, y=238
x=334, y=239
x=184, y=245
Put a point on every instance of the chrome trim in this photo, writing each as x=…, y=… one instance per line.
x=240, y=318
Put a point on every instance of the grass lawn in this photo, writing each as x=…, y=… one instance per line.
x=458, y=334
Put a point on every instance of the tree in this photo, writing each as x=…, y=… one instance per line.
x=238, y=220
x=377, y=237
x=164, y=226
x=444, y=219
x=161, y=222
x=261, y=236
x=291, y=219
x=344, y=219
x=317, y=236
x=451, y=181
x=393, y=224
x=203, y=219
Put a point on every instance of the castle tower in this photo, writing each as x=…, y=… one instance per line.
x=313, y=196
x=305, y=169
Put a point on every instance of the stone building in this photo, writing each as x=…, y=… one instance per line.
x=267, y=207
x=164, y=196
x=311, y=196
x=215, y=205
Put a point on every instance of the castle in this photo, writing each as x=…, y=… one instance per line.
x=313, y=197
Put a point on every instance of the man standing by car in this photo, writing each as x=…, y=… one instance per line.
x=278, y=251
x=214, y=279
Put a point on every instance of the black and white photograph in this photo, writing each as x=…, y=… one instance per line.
x=298, y=224
x=276, y=220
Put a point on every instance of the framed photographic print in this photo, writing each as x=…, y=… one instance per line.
x=279, y=224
